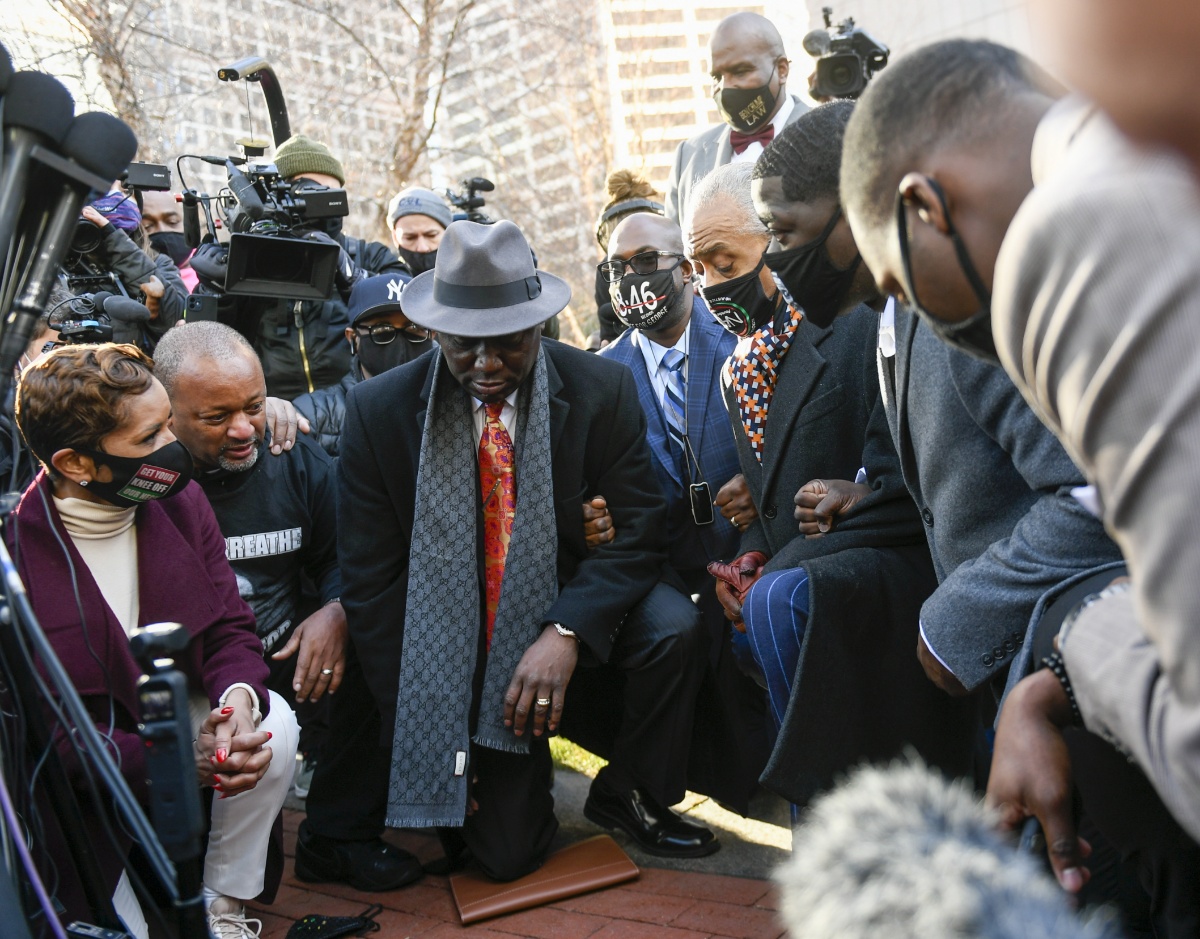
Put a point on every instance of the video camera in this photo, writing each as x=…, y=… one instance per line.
x=86, y=263
x=268, y=216
x=88, y=318
x=468, y=202
x=847, y=57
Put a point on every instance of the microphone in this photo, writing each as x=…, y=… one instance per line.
x=244, y=192
x=37, y=110
x=124, y=309
x=816, y=43
x=95, y=148
x=6, y=72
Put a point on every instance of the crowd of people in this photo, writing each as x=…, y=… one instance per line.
x=882, y=448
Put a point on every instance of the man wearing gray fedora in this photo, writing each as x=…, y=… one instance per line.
x=470, y=591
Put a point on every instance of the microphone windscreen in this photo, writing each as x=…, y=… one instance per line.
x=101, y=143
x=6, y=69
x=38, y=102
x=816, y=43
x=125, y=310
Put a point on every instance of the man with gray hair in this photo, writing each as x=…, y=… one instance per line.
x=276, y=513
x=805, y=406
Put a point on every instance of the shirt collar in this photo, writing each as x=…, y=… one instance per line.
x=779, y=121
x=511, y=400
x=654, y=351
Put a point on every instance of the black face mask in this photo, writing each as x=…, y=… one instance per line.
x=173, y=244
x=647, y=301
x=746, y=109
x=813, y=284
x=740, y=305
x=974, y=334
x=377, y=359
x=418, y=261
x=139, y=479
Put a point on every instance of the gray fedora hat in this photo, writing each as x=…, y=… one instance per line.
x=484, y=284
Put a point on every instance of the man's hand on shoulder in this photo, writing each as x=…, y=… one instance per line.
x=321, y=642
x=539, y=685
x=283, y=420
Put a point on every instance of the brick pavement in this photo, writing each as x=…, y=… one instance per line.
x=660, y=904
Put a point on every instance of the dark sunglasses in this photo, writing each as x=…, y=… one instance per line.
x=644, y=263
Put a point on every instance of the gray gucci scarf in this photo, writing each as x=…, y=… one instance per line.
x=431, y=747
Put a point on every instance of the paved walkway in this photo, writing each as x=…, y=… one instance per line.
x=660, y=904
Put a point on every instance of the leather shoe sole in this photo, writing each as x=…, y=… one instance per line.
x=605, y=818
x=369, y=866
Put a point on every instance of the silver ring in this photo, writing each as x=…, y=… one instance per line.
x=327, y=671
x=734, y=520
x=542, y=702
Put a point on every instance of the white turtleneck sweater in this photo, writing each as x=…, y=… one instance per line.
x=105, y=537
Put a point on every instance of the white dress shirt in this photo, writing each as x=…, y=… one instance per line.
x=508, y=417
x=653, y=354
x=779, y=122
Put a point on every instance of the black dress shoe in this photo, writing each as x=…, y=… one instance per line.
x=655, y=828
x=364, y=865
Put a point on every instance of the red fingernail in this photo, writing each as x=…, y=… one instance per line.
x=269, y=735
x=217, y=787
x=226, y=710
x=221, y=754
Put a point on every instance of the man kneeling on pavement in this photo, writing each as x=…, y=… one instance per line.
x=472, y=597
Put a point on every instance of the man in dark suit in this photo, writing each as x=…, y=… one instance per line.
x=472, y=596
x=749, y=73
x=821, y=419
x=676, y=351
x=957, y=172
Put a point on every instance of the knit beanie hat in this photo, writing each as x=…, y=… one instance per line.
x=417, y=201
x=301, y=154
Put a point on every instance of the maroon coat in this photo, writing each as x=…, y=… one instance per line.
x=183, y=577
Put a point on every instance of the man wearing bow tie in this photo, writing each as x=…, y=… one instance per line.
x=749, y=75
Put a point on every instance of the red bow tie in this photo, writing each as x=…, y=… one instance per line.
x=740, y=141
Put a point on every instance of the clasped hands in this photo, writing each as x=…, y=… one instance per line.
x=231, y=754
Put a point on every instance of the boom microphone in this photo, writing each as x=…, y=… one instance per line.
x=97, y=147
x=244, y=192
x=37, y=110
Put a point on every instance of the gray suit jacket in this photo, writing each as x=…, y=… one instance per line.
x=1097, y=301
x=698, y=156
x=994, y=489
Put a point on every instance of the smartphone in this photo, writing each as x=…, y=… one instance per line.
x=702, y=503
x=201, y=307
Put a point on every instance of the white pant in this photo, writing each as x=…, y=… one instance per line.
x=236, y=860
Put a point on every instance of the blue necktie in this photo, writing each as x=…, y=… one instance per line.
x=674, y=396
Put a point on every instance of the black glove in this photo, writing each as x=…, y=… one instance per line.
x=127, y=318
x=210, y=262
x=347, y=275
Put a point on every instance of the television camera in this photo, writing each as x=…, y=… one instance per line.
x=847, y=58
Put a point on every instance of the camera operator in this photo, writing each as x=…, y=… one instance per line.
x=300, y=342
x=162, y=223
x=147, y=277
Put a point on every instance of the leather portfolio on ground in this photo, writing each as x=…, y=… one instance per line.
x=578, y=868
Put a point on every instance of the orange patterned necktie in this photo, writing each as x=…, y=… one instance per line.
x=499, y=488
x=754, y=375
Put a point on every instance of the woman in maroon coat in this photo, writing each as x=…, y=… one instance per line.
x=112, y=535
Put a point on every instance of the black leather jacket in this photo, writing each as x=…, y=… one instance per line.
x=325, y=408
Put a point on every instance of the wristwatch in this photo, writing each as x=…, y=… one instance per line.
x=563, y=631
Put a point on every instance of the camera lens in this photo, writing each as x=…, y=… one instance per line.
x=87, y=237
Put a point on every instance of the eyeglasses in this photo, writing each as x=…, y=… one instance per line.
x=644, y=263
x=384, y=333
